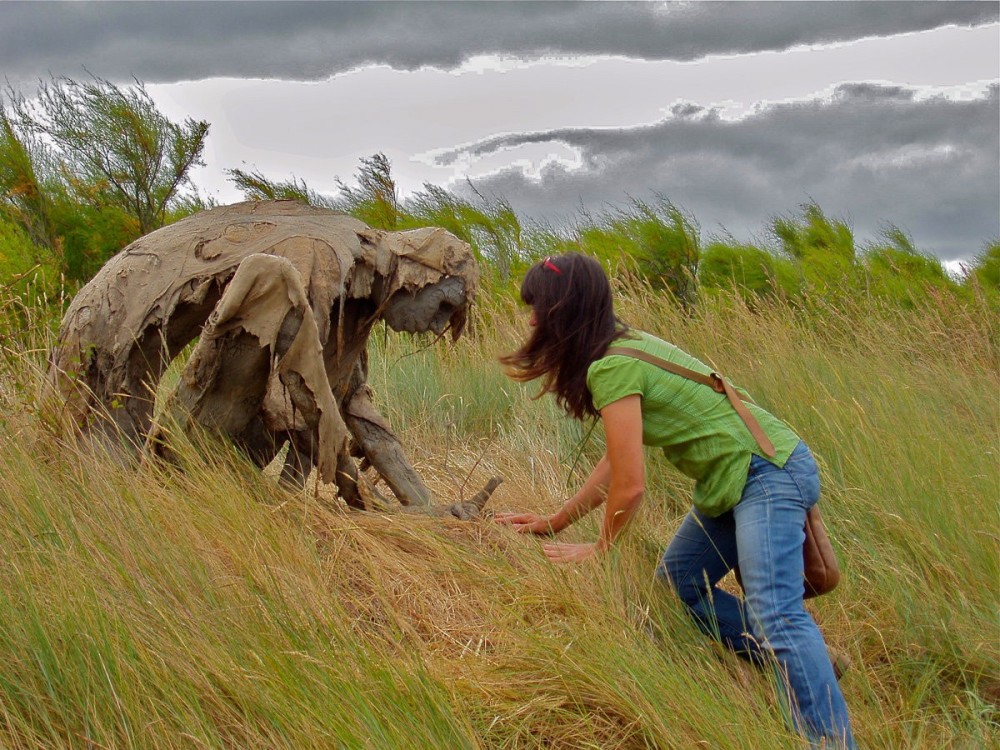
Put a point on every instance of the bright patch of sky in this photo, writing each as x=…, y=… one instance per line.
x=317, y=131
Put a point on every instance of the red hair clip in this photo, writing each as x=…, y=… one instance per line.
x=551, y=266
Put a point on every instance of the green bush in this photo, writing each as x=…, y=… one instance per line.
x=751, y=271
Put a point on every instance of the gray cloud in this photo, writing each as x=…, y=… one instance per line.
x=870, y=155
x=167, y=41
x=873, y=153
x=686, y=109
x=874, y=92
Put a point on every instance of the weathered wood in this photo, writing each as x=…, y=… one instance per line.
x=464, y=511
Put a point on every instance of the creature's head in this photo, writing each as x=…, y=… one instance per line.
x=433, y=283
x=435, y=307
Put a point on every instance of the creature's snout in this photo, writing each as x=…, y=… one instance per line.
x=434, y=308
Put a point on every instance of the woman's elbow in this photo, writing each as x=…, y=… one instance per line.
x=631, y=495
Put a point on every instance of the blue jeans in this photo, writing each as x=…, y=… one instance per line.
x=764, y=534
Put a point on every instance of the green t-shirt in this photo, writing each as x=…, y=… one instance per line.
x=698, y=429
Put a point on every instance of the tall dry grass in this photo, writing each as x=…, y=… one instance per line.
x=200, y=605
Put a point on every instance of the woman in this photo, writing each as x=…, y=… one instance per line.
x=748, y=509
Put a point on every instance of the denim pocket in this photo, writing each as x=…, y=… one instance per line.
x=801, y=467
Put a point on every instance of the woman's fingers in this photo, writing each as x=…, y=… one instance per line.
x=511, y=517
x=558, y=552
x=564, y=553
x=526, y=523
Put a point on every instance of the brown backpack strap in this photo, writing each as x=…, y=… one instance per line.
x=714, y=381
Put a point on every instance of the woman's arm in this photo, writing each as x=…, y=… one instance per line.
x=590, y=496
x=626, y=471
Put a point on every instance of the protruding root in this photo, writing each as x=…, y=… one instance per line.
x=472, y=507
x=482, y=497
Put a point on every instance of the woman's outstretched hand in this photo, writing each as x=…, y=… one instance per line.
x=527, y=523
x=570, y=553
x=532, y=523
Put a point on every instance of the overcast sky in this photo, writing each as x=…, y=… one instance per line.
x=737, y=112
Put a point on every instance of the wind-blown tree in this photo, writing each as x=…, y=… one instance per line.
x=984, y=273
x=257, y=187
x=751, y=271
x=24, y=195
x=895, y=270
x=116, y=145
x=18, y=254
x=823, y=248
x=660, y=241
x=376, y=199
x=67, y=231
x=85, y=168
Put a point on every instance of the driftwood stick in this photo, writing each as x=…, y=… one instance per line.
x=482, y=497
x=472, y=507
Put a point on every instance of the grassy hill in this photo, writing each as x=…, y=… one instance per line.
x=202, y=606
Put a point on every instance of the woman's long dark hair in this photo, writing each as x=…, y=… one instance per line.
x=575, y=322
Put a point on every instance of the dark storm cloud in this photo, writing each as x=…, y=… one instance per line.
x=162, y=42
x=686, y=109
x=869, y=155
x=874, y=92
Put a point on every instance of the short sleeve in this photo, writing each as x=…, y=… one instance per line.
x=612, y=378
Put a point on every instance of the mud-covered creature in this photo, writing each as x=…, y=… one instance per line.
x=283, y=298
